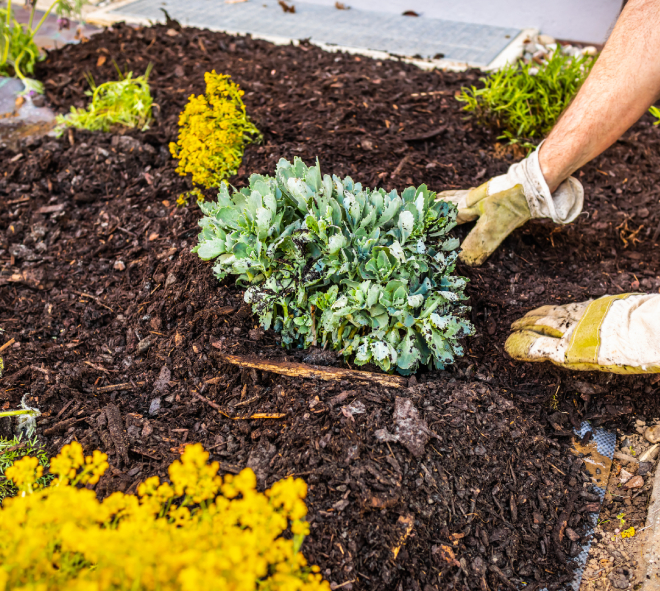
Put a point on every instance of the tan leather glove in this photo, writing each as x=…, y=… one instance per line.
x=506, y=202
x=617, y=334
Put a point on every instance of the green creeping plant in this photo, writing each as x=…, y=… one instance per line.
x=325, y=261
x=524, y=105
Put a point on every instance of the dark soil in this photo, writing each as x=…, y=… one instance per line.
x=98, y=287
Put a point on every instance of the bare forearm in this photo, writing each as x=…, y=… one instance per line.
x=622, y=85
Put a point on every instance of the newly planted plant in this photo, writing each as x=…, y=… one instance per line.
x=18, y=51
x=326, y=261
x=524, y=101
x=214, y=129
x=125, y=102
x=199, y=531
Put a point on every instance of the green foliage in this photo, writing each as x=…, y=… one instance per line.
x=326, y=261
x=18, y=51
x=122, y=103
x=15, y=449
x=525, y=105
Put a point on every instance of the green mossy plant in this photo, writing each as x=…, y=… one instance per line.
x=328, y=262
x=524, y=101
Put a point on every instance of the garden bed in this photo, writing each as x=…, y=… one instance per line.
x=120, y=331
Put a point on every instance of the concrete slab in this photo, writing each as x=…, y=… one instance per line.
x=360, y=30
x=20, y=117
x=50, y=36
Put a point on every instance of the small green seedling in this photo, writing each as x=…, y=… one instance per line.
x=524, y=101
x=125, y=102
x=621, y=519
x=18, y=51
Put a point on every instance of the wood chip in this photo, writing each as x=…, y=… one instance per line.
x=51, y=208
x=116, y=429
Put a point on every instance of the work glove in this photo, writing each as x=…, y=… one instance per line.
x=506, y=202
x=617, y=334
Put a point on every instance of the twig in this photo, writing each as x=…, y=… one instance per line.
x=302, y=370
x=98, y=301
x=125, y=231
x=257, y=415
x=119, y=387
x=400, y=166
x=558, y=470
x=209, y=402
x=9, y=343
x=16, y=201
x=249, y=401
x=425, y=136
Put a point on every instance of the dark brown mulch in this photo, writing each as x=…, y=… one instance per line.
x=110, y=294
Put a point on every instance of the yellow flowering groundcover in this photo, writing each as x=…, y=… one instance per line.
x=213, y=130
x=199, y=532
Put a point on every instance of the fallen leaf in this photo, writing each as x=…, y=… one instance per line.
x=100, y=61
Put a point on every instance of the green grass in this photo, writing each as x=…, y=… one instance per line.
x=125, y=102
x=524, y=106
x=14, y=449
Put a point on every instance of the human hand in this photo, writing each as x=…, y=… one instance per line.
x=617, y=334
x=506, y=202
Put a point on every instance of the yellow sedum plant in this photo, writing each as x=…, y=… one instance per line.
x=199, y=532
x=213, y=130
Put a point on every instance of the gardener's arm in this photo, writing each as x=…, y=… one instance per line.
x=623, y=84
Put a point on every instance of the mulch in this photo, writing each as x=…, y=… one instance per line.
x=120, y=331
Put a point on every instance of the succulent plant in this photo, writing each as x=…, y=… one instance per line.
x=326, y=261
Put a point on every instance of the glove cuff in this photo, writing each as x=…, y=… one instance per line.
x=562, y=207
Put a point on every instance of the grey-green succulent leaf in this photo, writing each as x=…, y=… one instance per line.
x=327, y=262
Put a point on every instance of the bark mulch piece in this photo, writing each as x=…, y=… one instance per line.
x=460, y=480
